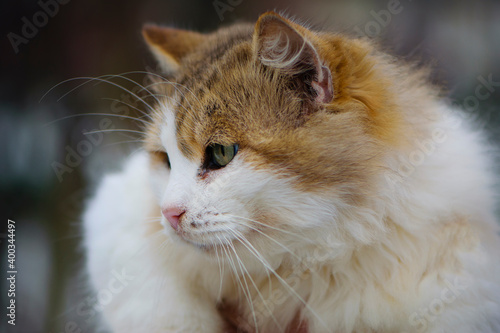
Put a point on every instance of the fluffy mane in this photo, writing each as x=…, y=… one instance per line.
x=356, y=200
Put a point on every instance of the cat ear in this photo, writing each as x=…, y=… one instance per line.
x=278, y=43
x=170, y=45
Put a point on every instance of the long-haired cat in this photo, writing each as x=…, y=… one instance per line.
x=296, y=181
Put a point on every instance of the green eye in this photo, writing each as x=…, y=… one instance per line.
x=218, y=156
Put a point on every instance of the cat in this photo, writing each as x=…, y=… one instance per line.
x=295, y=180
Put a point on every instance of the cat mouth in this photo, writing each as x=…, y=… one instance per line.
x=208, y=247
x=210, y=236
x=207, y=240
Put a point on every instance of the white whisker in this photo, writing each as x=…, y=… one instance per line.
x=284, y=283
x=243, y=240
x=244, y=272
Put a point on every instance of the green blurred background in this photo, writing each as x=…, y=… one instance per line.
x=44, y=185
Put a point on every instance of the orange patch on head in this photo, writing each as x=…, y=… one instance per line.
x=227, y=90
x=360, y=76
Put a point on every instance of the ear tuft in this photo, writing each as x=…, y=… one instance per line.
x=280, y=46
x=280, y=43
x=170, y=45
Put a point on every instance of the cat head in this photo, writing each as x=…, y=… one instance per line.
x=266, y=136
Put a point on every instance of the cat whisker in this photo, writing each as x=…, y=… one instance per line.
x=163, y=245
x=270, y=226
x=158, y=233
x=220, y=269
x=244, y=272
x=166, y=81
x=269, y=237
x=240, y=236
x=123, y=142
x=233, y=268
x=311, y=269
x=143, y=88
x=114, y=130
x=174, y=99
x=95, y=114
x=244, y=242
x=150, y=93
x=100, y=79
x=285, y=284
x=188, y=111
x=122, y=76
x=66, y=81
x=144, y=114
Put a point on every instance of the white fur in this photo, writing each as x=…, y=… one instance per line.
x=350, y=270
x=183, y=174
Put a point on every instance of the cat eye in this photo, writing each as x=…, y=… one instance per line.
x=167, y=161
x=218, y=156
x=162, y=158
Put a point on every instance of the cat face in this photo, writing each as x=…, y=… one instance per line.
x=263, y=136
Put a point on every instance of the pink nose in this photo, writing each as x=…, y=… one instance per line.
x=173, y=215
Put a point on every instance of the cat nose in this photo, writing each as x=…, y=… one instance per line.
x=173, y=215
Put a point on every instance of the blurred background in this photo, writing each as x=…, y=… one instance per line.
x=51, y=158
